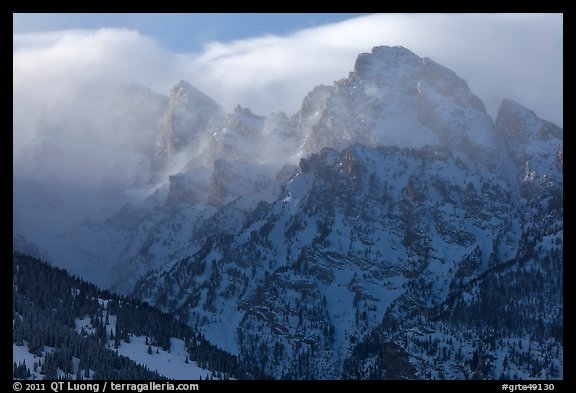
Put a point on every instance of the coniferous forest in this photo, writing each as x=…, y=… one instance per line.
x=47, y=302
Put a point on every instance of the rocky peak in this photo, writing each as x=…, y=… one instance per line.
x=384, y=61
x=235, y=136
x=535, y=145
x=394, y=97
x=184, y=93
x=399, y=68
x=185, y=121
x=245, y=122
x=521, y=125
x=314, y=104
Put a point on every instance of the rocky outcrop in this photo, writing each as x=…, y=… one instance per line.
x=185, y=122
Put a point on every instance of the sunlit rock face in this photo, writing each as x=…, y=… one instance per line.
x=393, y=97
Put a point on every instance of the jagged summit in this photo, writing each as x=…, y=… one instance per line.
x=382, y=60
x=399, y=67
x=535, y=145
x=185, y=121
x=393, y=97
x=184, y=92
x=522, y=124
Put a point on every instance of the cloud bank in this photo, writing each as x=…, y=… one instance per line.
x=512, y=56
x=66, y=132
x=502, y=55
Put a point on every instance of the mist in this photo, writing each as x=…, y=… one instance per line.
x=76, y=145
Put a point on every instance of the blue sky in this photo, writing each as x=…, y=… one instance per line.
x=182, y=32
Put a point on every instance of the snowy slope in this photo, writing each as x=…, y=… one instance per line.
x=67, y=328
x=354, y=232
x=173, y=364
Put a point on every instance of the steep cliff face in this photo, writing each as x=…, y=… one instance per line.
x=184, y=123
x=373, y=254
x=535, y=145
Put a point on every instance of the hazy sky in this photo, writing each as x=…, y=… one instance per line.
x=68, y=149
x=270, y=61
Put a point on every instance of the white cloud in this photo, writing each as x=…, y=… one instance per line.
x=59, y=79
x=69, y=148
x=514, y=56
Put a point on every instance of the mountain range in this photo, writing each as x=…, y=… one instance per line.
x=390, y=229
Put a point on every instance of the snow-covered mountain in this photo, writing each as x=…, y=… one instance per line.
x=393, y=97
x=373, y=234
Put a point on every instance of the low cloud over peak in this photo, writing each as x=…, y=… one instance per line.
x=516, y=56
x=66, y=130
